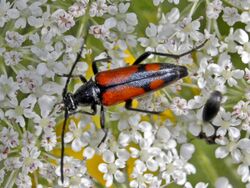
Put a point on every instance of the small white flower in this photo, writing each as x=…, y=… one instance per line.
x=14, y=39
x=98, y=8
x=23, y=181
x=64, y=20
x=179, y=106
x=76, y=134
x=230, y=15
x=122, y=21
x=29, y=81
x=9, y=138
x=189, y=28
x=29, y=13
x=99, y=31
x=8, y=87
x=227, y=124
x=24, y=109
x=78, y=9
x=45, y=122
x=235, y=147
x=12, y=58
x=213, y=9
x=7, y=13
x=111, y=168
x=48, y=140
x=47, y=171
x=30, y=159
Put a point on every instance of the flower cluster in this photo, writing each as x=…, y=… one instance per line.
x=40, y=41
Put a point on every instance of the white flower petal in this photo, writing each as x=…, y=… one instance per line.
x=221, y=152
x=108, y=156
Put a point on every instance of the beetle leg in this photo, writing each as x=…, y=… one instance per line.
x=128, y=106
x=102, y=121
x=93, y=107
x=82, y=78
x=94, y=65
x=175, y=56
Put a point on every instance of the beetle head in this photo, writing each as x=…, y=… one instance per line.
x=69, y=102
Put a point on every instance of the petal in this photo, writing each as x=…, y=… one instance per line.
x=103, y=168
x=108, y=156
x=76, y=145
x=221, y=152
x=187, y=150
x=88, y=152
x=234, y=132
x=119, y=176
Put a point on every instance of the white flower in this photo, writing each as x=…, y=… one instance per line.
x=47, y=171
x=14, y=39
x=24, y=109
x=225, y=71
x=98, y=8
x=99, y=31
x=64, y=20
x=241, y=110
x=235, y=147
x=153, y=40
x=29, y=81
x=29, y=159
x=7, y=13
x=9, y=138
x=23, y=181
x=46, y=122
x=213, y=9
x=140, y=180
x=111, y=168
x=12, y=58
x=8, y=87
x=179, y=106
x=189, y=28
x=227, y=124
x=78, y=9
x=29, y=13
x=230, y=15
x=48, y=140
x=77, y=135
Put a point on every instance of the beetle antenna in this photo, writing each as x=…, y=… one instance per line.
x=66, y=114
x=71, y=71
x=62, y=143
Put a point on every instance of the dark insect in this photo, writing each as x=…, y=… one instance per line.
x=119, y=85
x=212, y=106
x=210, y=110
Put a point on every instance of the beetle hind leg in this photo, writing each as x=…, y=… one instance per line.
x=102, y=121
x=128, y=106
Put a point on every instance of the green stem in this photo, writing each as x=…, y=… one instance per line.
x=11, y=179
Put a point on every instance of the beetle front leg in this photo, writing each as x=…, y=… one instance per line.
x=175, y=56
x=94, y=65
x=93, y=107
x=102, y=121
x=128, y=106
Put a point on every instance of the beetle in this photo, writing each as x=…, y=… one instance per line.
x=209, y=112
x=114, y=86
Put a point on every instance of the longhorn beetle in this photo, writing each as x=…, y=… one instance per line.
x=119, y=85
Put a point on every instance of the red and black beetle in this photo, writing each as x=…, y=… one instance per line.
x=119, y=85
